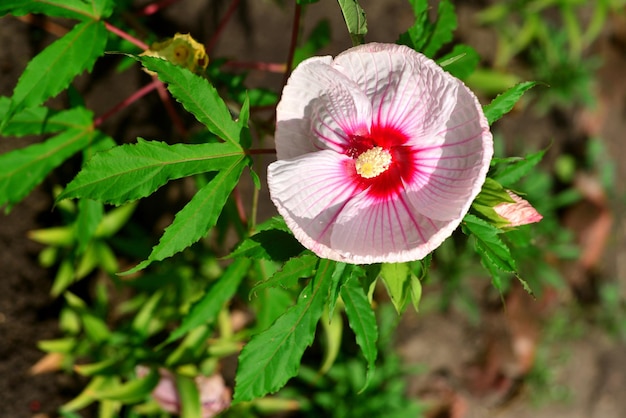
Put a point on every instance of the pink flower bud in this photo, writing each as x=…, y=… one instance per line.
x=519, y=213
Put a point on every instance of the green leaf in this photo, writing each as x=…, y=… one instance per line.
x=87, y=396
x=396, y=277
x=294, y=269
x=23, y=169
x=190, y=404
x=504, y=102
x=55, y=67
x=417, y=35
x=73, y=9
x=130, y=392
x=273, y=356
x=206, y=309
x=354, y=15
x=42, y=120
x=198, y=216
x=461, y=62
x=272, y=241
x=132, y=171
x=198, y=97
x=513, y=172
x=362, y=322
x=442, y=29
x=416, y=292
x=90, y=214
x=488, y=245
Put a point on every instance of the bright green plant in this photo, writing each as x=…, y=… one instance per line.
x=181, y=312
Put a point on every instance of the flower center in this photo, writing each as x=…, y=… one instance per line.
x=373, y=162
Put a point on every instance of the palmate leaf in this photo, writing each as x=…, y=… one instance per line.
x=273, y=356
x=74, y=9
x=199, y=97
x=504, y=102
x=355, y=18
x=362, y=322
x=198, y=216
x=133, y=171
x=206, y=309
x=21, y=170
x=55, y=67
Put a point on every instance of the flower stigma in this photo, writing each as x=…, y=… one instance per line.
x=373, y=162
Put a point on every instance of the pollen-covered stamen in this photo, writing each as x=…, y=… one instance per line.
x=373, y=162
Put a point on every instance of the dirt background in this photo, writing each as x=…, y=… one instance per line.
x=473, y=370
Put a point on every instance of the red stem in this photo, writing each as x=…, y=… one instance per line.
x=127, y=102
x=240, y=209
x=167, y=102
x=294, y=41
x=261, y=151
x=220, y=27
x=126, y=36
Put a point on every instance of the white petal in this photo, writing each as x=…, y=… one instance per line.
x=310, y=191
x=369, y=231
x=319, y=108
x=408, y=91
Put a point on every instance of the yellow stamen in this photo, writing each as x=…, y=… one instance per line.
x=373, y=162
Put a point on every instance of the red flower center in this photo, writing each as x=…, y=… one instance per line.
x=390, y=180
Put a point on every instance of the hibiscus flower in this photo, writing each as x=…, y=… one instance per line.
x=380, y=154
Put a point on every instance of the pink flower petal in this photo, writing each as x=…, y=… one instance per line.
x=318, y=107
x=391, y=231
x=392, y=99
x=519, y=213
x=310, y=192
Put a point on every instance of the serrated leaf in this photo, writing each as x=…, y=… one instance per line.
x=355, y=18
x=273, y=356
x=515, y=171
x=55, y=67
x=488, y=244
x=133, y=391
x=73, y=9
x=23, y=169
x=362, y=322
x=504, y=102
x=442, y=29
x=293, y=270
x=198, y=97
x=206, y=309
x=132, y=171
x=197, y=217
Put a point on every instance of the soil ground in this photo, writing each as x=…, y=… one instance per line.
x=473, y=370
